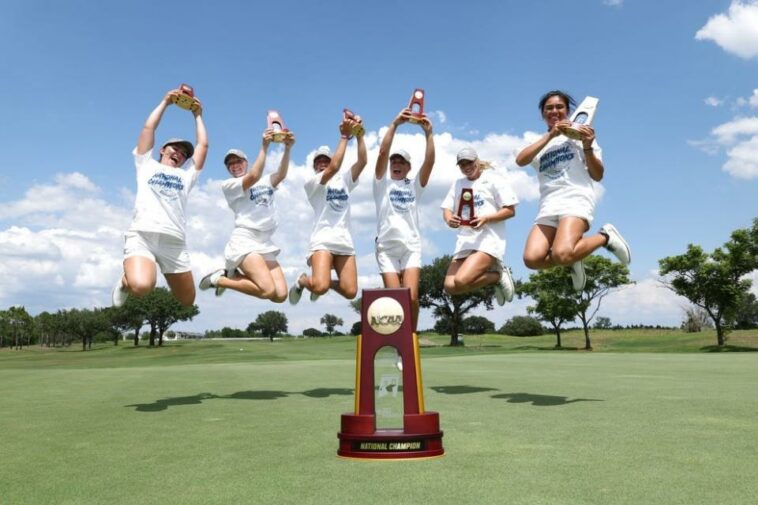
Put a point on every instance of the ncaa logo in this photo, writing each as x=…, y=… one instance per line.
x=385, y=315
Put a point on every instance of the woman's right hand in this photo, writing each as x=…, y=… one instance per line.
x=454, y=221
x=171, y=96
x=558, y=127
x=402, y=117
x=346, y=128
x=267, y=138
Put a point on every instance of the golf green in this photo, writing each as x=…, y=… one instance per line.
x=531, y=428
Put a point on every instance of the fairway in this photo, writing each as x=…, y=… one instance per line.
x=531, y=428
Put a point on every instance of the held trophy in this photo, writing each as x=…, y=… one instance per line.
x=386, y=323
x=276, y=123
x=186, y=98
x=358, y=128
x=466, y=207
x=416, y=104
x=583, y=115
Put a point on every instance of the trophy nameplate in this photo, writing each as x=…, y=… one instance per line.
x=466, y=207
x=416, y=105
x=186, y=98
x=358, y=128
x=276, y=123
x=583, y=115
x=386, y=323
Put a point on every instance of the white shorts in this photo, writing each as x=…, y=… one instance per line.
x=245, y=241
x=552, y=221
x=396, y=260
x=170, y=253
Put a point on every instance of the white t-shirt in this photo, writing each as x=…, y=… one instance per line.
x=564, y=179
x=255, y=208
x=331, y=206
x=397, y=213
x=162, y=193
x=491, y=193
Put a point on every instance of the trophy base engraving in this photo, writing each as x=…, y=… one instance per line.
x=280, y=136
x=420, y=438
x=416, y=118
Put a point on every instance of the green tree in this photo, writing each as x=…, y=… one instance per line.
x=18, y=325
x=86, y=323
x=448, y=308
x=715, y=282
x=312, y=332
x=522, y=326
x=747, y=313
x=355, y=329
x=603, y=323
x=478, y=325
x=162, y=310
x=555, y=302
x=603, y=275
x=330, y=321
x=271, y=323
x=131, y=316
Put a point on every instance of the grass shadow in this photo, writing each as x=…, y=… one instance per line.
x=728, y=348
x=460, y=390
x=544, y=348
x=165, y=403
x=326, y=392
x=541, y=400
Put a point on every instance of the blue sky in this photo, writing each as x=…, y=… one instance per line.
x=677, y=120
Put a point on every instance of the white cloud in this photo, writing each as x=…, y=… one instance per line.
x=736, y=31
x=613, y=3
x=753, y=100
x=713, y=101
x=646, y=302
x=743, y=159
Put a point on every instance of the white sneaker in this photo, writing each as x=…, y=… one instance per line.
x=296, y=291
x=616, y=244
x=210, y=280
x=578, y=276
x=119, y=293
x=504, y=289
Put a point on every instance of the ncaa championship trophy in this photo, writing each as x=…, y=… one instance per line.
x=275, y=122
x=416, y=104
x=358, y=128
x=386, y=322
x=583, y=115
x=186, y=98
x=466, y=207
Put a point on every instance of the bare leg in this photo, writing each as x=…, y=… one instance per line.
x=182, y=287
x=321, y=273
x=470, y=273
x=570, y=245
x=255, y=280
x=347, y=276
x=410, y=279
x=537, y=248
x=139, y=275
x=280, y=284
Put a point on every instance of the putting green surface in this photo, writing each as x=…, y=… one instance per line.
x=531, y=428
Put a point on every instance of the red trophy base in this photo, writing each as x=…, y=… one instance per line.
x=420, y=438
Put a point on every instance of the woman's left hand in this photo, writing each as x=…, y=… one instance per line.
x=479, y=221
x=588, y=135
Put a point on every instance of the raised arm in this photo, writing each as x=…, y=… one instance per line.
x=426, y=167
x=146, y=139
x=201, y=147
x=255, y=171
x=339, y=153
x=281, y=174
x=360, y=163
x=528, y=153
x=382, y=160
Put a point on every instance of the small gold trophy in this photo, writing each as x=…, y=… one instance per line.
x=416, y=104
x=583, y=115
x=358, y=128
x=276, y=123
x=186, y=98
x=466, y=207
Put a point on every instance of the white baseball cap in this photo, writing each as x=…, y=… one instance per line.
x=402, y=153
x=323, y=151
x=186, y=144
x=234, y=152
x=467, y=154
